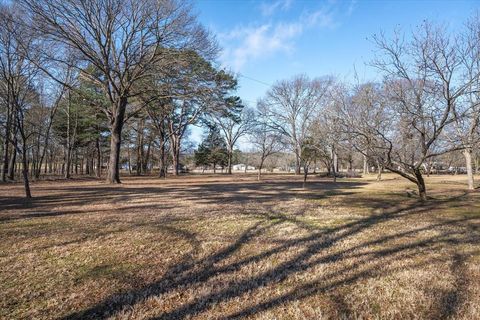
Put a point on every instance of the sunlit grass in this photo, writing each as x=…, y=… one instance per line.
x=219, y=247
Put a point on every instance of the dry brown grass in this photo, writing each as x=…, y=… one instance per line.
x=217, y=247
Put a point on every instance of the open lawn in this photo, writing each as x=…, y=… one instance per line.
x=220, y=247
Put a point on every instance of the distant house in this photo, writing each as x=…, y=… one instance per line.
x=241, y=167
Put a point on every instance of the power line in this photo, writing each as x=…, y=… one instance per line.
x=253, y=79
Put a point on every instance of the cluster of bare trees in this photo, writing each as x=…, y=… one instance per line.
x=73, y=74
x=425, y=107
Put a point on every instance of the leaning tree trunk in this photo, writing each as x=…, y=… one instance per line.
x=13, y=156
x=422, y=190
x=113, y=174
x=467, y=153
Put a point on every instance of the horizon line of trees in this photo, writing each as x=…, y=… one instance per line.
x=94, y=86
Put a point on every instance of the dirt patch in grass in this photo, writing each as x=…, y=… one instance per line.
x=220, y=247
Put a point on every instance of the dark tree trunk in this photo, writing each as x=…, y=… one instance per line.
x=229, y=161
x=175, y=147
x=422, y=190
x=139, y=162
x=113, y=174
x=13, y=157
x=162, y=160
x=99, y=158
x=6, y=144
x=26, y=183
x=68, y=162
x=305, y=174
x=76, y=161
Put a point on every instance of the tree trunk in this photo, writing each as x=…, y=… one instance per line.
x=229, y=164
x=13, y=157
x=334, y=172
x=422, y=190
x=5, y=146
x=162, y=162
x=297, y=163
x=139, y=160
x=379, y=172
x=99, y=158
x=147, y=157
x=26, y=183
x=175, y=152
x=44, y=151
x=259, y=169
x=365, y=165
x=68, y=161
x=176, y=158
x=428, y=167
x=305, y=174
x=113, y=174
x=467, y=153
x=333, y=164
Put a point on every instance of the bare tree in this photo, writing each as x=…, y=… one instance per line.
x=234, y=122
x=292, y=106
x=122, y=39
x=403, y=124
x=18, y=76
x=266, y=141
x=467, y=109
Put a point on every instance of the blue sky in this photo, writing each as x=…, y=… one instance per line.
x=272, y=40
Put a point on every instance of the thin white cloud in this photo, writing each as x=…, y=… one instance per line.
x=260, y=42
x=321, y=18
x=248, y=43
x=270, y=8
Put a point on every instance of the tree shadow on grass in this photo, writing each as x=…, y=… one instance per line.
x=356, y=262
x=64, y=198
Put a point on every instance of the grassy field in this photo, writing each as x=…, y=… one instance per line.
x=219, y=247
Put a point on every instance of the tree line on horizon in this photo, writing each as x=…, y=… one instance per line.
x=90, y=87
